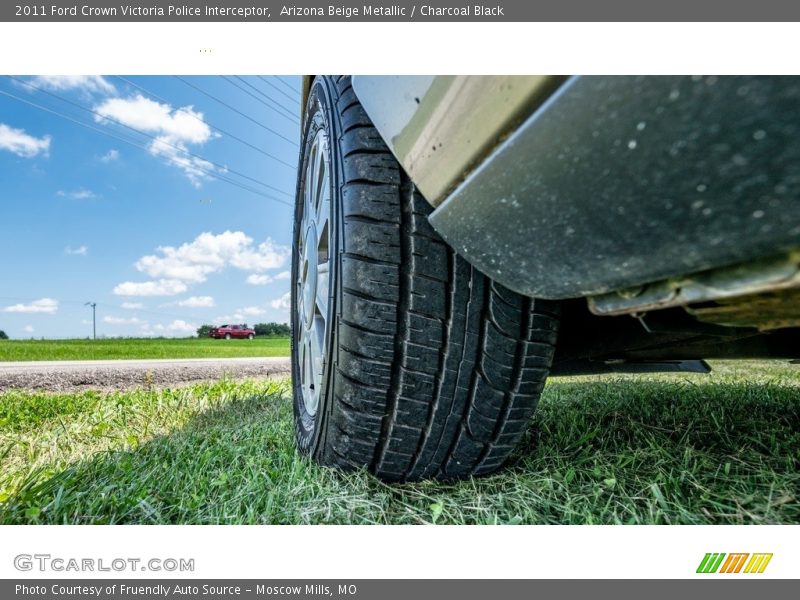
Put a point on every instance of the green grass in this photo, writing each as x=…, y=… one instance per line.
x=673, y=448
x=132, y=348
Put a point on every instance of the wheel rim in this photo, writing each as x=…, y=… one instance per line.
x=313, y=271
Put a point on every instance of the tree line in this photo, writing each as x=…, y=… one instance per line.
x=265, y=329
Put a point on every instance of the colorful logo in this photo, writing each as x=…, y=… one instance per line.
x=719, y=562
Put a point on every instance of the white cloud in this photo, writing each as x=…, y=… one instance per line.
x=284, y=302
x=23, y=144
x=84, y=83
x=208, y=253
x=110, y=156
x=173, y=130
x=180, y=326
x=255, y=279
x=252, y=311
x=197, y=302
x=79, y=251
x=267, y=255
x=122, y=321
x=29, y=329
x=162, y=287
x=79, y=194
x=262, y=279
x=172, y=268
x=43, y=305
x=131, y=305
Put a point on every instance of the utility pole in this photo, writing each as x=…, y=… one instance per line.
x=94, y=319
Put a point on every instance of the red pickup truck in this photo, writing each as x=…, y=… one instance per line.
x=232, y=331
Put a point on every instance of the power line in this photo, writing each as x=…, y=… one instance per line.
x=72, y=120
x=212, y=174
x=292, y=112
x=159, y=141
x=294, y=99
x=288, y=85
x=228, y=106
x=269, y=106
x=214, y=127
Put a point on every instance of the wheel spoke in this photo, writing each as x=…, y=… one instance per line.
x=302, y=361
x=310, y=187
x=323, y=212
x=323, y=289
x=306, y=204
x=313, y=180
x=318, y=345
x=308, y=376
x=319, y=171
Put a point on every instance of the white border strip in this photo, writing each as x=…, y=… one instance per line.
x=399, y=48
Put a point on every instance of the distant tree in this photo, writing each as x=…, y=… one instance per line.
x=204, y=330
x=272, y=329
x=3, y=335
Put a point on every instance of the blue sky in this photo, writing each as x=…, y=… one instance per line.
x=130, y=209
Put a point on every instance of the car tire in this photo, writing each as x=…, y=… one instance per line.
x=410, y=363
x=227, y=336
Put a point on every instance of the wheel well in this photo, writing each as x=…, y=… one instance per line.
x=671, y=334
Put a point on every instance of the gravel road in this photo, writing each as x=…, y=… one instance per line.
x=109, y=375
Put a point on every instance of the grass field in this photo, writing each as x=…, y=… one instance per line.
x=676, y=448
x=121, y=348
